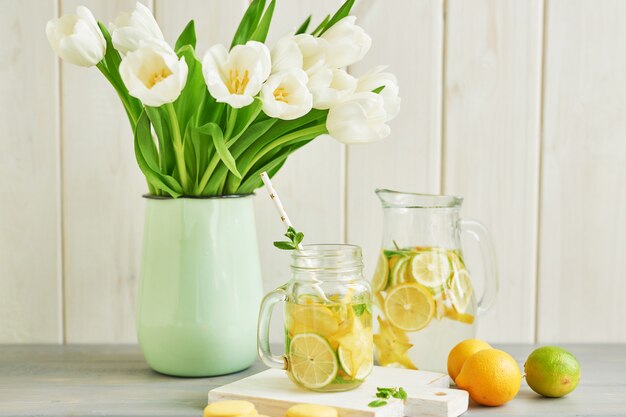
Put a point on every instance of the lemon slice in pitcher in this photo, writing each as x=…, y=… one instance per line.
x=410, y=307
x=313, y=362
x=431, y=269
x=381, y=275
x=459, y=290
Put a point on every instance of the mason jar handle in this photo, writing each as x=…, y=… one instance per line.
x=263, y=331
x=479, y=232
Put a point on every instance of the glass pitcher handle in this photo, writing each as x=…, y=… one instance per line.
x=482, y=235
x=263, y=331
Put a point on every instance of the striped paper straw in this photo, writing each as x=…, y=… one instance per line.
x=277, y=203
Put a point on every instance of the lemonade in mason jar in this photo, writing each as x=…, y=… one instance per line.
x=328, y=320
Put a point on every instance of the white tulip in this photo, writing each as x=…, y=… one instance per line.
x=376, y=78
x=347, y=43
x=286, y=55
x=313, y=50
x=76, y=38
x=154, y=74
x=330, y=85
x=358, y=118
x=285, y=95
x=237, y=76
x=129, y=30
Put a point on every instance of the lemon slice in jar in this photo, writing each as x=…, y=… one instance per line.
x=313, y=362
x=410, y=307
x=311, y=318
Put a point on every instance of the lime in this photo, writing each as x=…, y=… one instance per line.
x=399, y=271
x=431, y=269
x=312, y=360
x=346, y=360
x=409, y=307
x=552, y=371
x=381, y=275
x=355, y=351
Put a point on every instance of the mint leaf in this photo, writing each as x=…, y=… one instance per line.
x=377, y=403
x=359, y=309
x=400, y=394
x=284, y=245
x=294, y=237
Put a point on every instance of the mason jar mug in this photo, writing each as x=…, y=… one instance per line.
x=328, y=320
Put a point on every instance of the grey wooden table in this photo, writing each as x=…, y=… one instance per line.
x=115, y=381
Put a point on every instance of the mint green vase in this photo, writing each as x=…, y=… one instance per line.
x=200, y=285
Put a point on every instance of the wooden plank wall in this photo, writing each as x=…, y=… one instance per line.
x=517, y=105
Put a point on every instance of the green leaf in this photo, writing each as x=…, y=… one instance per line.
x=378, y=90
x=321, y=26
x=160, y=123
x=203, y=148
x=213, y=130
x=304, y=26
x=245, y=117
x=194, y=93
x=248, y=137
x=343, y=11
x=284, y=245
x=280, y=128
x=191, y=159
x=249, y=22
x=187, y=37
x=111, y=61
x=377, y=403
x=298, y=238
x=147, y=159
x=260, y=33
x=112, y=57
x=253, y=181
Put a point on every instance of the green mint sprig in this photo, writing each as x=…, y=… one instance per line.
x=294, y=237
x=386, y=393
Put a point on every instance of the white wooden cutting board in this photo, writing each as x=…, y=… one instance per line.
x=273, y=393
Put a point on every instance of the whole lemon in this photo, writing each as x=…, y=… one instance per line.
x=552, y=371
x=491, y=376
x=459, y=354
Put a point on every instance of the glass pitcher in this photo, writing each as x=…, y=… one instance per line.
x=424, y=298
x=328, y=320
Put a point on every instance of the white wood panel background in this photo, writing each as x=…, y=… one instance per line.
x=517, y=105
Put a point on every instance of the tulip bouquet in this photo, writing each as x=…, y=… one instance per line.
x=209, y=127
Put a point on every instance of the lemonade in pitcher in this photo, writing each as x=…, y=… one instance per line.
x=424, y=298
